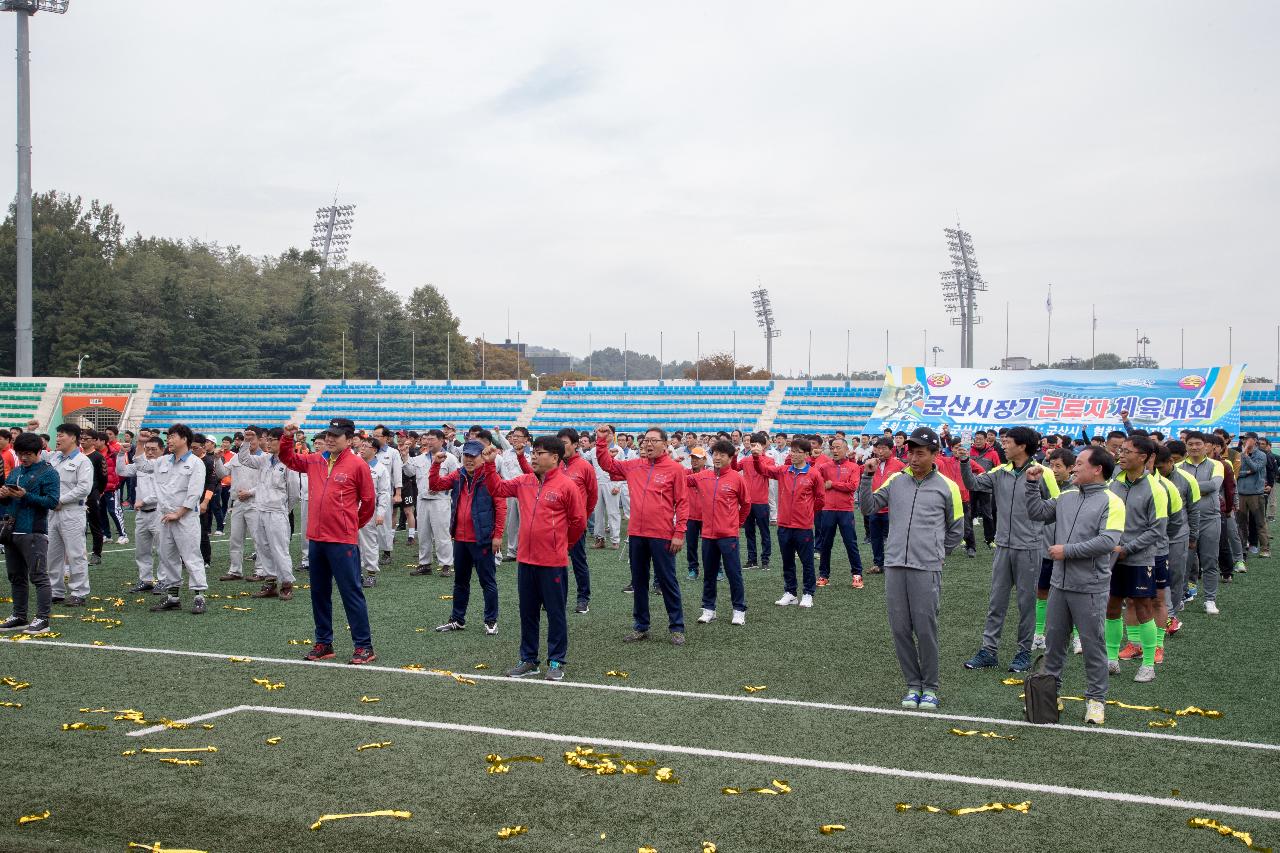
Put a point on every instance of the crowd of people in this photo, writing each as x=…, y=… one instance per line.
x=1102, y=541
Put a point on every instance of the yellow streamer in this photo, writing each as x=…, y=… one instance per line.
x=98, y=643
x=829, y=828
x=1191, y=710
x=617, y=673
x=1163, y=724
x=159, y=750
x=1226, y=832
x=510, y=831
x=370, y=699
x=1011, y=681
x=32, y=818
x=481, y=666
x=272, y=741
x=973, y=732
x=130, y=752
x=374, y=745
x=755, y=689
x=236, y=609
x=708, y=847
x=414, y=667
x=208, y=727
x=156, y=848
x=300, y=642
x=666, y=775
x=267, y=683
x=398, y=815
x=241, y=660
x=1023, y=807
x=14, y=683
x=647, y=849
x=731, y=792
x=10, y=704
x=446, y=598
x=82, y=727
x=182, y=762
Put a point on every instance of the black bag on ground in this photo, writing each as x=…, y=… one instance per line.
x=1040, y=692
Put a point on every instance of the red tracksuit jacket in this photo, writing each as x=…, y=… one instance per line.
x=552, y=514
x=757, y=483
x=658, y=491
x=949, y=467
x=799, y=493
x=844, y=476
x=721, y=501
x=464, y=530
x=581, y=472
x=340, y=498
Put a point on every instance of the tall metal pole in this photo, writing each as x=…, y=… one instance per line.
x=848, y=337
x=1048, y=329
x=344, y=356
x=809, y=374
x=413, y=357
x=624, y=357
x=661, y=357
x=886, y=347
x=1006, y=331
x=482, y=369
x=448, y=357
x=735, y=356
x=23, y=345
x=378, y=369
x=1093, y=340
x=1230, y=343
x=697, y=364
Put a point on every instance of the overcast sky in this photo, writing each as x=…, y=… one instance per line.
x=603, y=168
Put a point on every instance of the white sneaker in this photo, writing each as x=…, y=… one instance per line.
x=739, y=617
x=806, y=601
x=787, y=598
x=1145, y=674
x=1113, y=667
x=1037, y=643
x=707, y=616
x=1211, y=607
x=491, y=628
x=123, y=540
x=1076, y=648
x=1095, y=713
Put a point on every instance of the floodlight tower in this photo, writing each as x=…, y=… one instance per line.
x=332, y=232
x=959, y=284
x=22, y=304
x=764, y=318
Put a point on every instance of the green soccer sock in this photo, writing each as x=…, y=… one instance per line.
x=1160, y=632
x=1114, y=631
x=1147, y=631
x=1041, y=606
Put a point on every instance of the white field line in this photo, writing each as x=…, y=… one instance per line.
x=679, y=694
x=702, y=752
x=213, y=540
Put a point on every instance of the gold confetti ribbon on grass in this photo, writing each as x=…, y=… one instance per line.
x=272, y=741
x=414, y=667
x=666, y=775
x=708, y=847
x=374, y=745
x=370, y=699
x=1011, y=681
x=236, y=609
x=446, y=598
x=267, y=683
x=1226, y=832
x=498, y=764
x=1023, y=807
x=460, y=679
x=398, y=815
x=512, y=831
x=779, y=787
x=299, y=642
x=1163, y=724
x=481, y=666
x=32, y=818
x=182, y=762
x=130, y=752
x=10, y=704
x=617, y=673
x=82, y=727
x=156, y=848
x=241, y=660
x=830, y=828
x=756, y=689
x=1201, y=712
x=975, y=732
x=162, y=750
x=646, y=849
x=10, y=681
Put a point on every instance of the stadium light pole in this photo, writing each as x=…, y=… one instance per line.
x=764, y=319
x=79, y=361
x=936, y=350
x=959, y=286
x=24, y=9
x=332, y=232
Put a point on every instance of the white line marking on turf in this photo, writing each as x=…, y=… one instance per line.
x=702, y=752
x=681, y=694
x=213, y=540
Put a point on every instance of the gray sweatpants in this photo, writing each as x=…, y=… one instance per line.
x=180, y=546
x=146, y=530
x=1177, y=576
x=1087, y=613
x=512, y=531
x=433, y=531
x=913, y=598
x=1012, y=568
x=1207, y=556
x=242, y=522
x=273, y=544
x=67, y=555
x=1233, y=538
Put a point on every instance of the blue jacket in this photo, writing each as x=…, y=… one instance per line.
x=32, y=509
x=482, y=511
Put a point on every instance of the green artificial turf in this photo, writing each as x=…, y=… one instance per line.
x=250, y=795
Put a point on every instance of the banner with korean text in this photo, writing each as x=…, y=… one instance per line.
x=1059, y=401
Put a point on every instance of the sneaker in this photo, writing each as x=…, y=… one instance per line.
x=555, y=672
x=1021, y=662
x=1131, y=651
x=257, y=577
x=1095, y=713
x=124, y=540
x=1113, y=667
x=707, y=616
x=1174, y=625
x=95, y=559
x=1253, y=549
x=751, y=564
x=1190, y=594
x=875, y=570
x=787, y=598
x=143, y=586
x=13, y=623
x=232, y=576
x=1225, y=579
x=522, y=669
x=693, y=574
x=450, y=626
x=286, y=592
x=320, y=651
x=423, y=569
x=1210, y=607
x=369, y=581
x=928, y=701
x=198, y=605
x=636, y=636
x=971, y=553
x=1037, y=643
x=384, y=558
x=1265, y=554
x=304, y=566
x=911, y=700
x=655, y=590
x=764, y=567
x=37, y=626
x=628, y=588
x=806, y=600
x=445, y=571
x=159, y=590
x=613, y=546
x=491, y=628
x=739, y=617
x=982, y=659
x=856, y=583
x=58, y=599
x=597, y=546
x=1240, y=567
x=823, y=581
x=1159, y=654
x=1145, y=674
x=582, y=607
x=170, y=602
x=218, y=533
x=268, y=591
x=363, y=656
x=677, y=638
x=74, y=601
x=1076, y=647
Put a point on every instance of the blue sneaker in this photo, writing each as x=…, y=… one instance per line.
x=982, y=660
x=1190, y=594
x=693, y=574
x=555, y=672
x=911, y=700
x=1021, y=662
x=928, y=701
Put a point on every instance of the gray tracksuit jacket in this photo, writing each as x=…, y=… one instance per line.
x=1146, y=510
x=1089, y=521
x=1189, y=490
x=926, y=517
x=277, y=489
x=1014, y=528
x=1209, y=474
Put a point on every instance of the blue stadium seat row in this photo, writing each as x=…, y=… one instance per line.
x=233, y=389
x=435, y=390
x=663, y=391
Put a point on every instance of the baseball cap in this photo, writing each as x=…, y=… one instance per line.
x=446, y=425
x=923, y=437
x=342, y=426
x=698, y=452
x=472, y=448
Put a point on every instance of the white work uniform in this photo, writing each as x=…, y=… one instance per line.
x=508, y=468
x=608, y=512
x=67, y=555
x=242, y=518
x=624, y=496
x=179, y=483
x=146, y=518
x=371, y=533
x=389, y=458
x=433, y=510
x=779, y=456
x=274, y=497
x=305, y=493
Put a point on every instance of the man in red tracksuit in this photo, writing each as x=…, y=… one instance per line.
x=552, y=515
x=583, y=473
x=800, y=497
x=840, y=476
x=693, y=527
x=758, y=492
x=949, y=466
x=718, y=496
x=341, y=501
x=659, y=514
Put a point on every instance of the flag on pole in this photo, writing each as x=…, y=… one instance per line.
x=1048, y=301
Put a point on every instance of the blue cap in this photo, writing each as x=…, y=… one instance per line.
x=472, y=448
